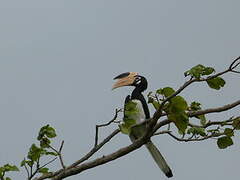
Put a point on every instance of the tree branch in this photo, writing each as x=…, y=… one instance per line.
x=106, y=124
x=214, y=110
x=84, y=158
x=59, y=153
x=195, y=139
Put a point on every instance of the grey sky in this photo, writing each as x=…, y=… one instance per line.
x=58, y=59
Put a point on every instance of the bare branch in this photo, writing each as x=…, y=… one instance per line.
x=161, y=132
x=106, y=124
x=99, y=161
x=48, y=163
x=234, y=64
x=214, y=110
x=59, y=153
x=195, y=139
x=28, y=174
x=96, y=148
x=84, y=158
x=212, y=123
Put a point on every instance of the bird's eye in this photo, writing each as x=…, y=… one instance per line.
x=137, y=80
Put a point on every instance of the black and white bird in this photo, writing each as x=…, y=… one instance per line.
x=140, y=83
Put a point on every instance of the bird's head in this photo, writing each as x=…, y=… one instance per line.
x=130, y=79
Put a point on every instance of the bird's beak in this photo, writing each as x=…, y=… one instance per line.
x=125, y=79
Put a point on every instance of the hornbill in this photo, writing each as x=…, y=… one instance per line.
x=140, y=83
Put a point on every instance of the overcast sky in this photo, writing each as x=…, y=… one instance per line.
x=58, y=59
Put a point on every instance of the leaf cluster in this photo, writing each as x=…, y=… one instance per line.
x=198, y=71
x=226, y=140
x=7, y=168
x=177, y=109
x=130, y=110
x=36, y=152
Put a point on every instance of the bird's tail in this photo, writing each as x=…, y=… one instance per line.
x=157, y=156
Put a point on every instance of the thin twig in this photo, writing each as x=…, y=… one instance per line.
x=232, y=66
x=49, y=162
x=59, y=153
x=214, y=110
x=211, y=123
x=195, y=139
x=31, y=172
x=95, y=148
x=84, y=158
x=28, y=174
x=106, y=124
x=161, y=132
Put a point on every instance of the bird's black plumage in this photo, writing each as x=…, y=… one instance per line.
x=140, y=86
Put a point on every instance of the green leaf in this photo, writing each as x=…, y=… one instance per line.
x=43, y=170
x=46, y=131
x=42, y=132
x=216, y=83
x=8, y=167
x=155, y=104
x=51, y=133
x=198, y=71
x=196, y=131
x=208, y=71
x=1, y=172
x=178, y=104
x=130, y=114
x=124, y=128
x=30, y=163
x=195, y=106
x=23, y=163
x=236, y=123
x=8, y=178
x=35, y=153
x=214, y=131
x=180, y=120
x=129, y=121
x=195, y=71
x=130, y=111
x=224, y=142
x=45, y=143
x=202, y=119
x=229, y=132
x=167, y=91
x=130, y=106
